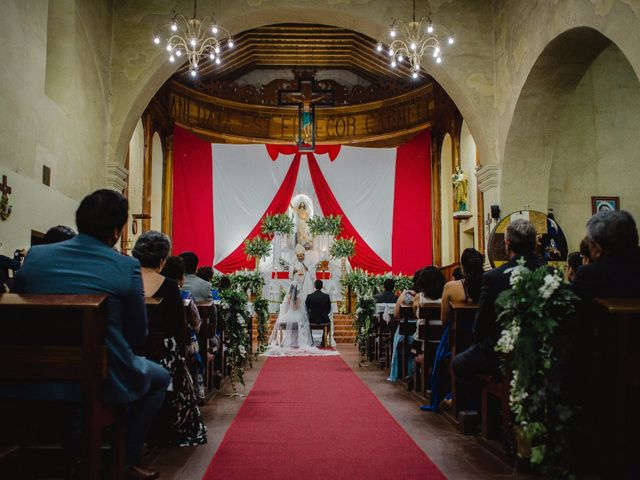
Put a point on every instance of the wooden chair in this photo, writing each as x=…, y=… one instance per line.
x=325, y=333
x=429, y=334
x=460, y=338
x=495, y=403
x=384, y=340
x=61, y=339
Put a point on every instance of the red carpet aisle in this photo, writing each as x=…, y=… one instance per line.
x=312, y=418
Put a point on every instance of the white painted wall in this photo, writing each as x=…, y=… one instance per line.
x=468, y=227
x=446, y=200
x=156, y=184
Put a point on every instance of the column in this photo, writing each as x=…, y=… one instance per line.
x=488, y=177
x=148, y=159
x=167, y=187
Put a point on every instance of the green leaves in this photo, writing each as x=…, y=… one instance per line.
x=258, y=247
x=343, y=248
x=279, y=223
x=531, y=313
x=329, y=225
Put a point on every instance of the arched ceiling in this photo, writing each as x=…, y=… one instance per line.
x=304, y=46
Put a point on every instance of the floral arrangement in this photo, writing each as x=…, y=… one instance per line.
x=532, y=314
x=247, y=280
x=329, y=225
x=258, y=247
x=365, y=284
x=278, y=223
x=261, y=307
x=233, y=309
x=343, y=248
x=365, y=310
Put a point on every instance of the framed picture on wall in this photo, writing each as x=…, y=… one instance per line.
x=604, y=204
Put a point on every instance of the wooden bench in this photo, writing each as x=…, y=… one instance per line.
x=460, y=338
x=429, y=336
x=207, y=311
x=325, y=333
x=61, y=339
x=384, y=340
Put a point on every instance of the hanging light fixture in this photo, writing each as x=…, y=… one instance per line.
x=411, y=41
x=196, y=38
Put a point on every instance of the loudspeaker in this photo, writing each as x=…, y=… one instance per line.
x=495, y=212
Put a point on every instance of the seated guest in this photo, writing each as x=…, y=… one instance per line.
x=430, y=285
x=466, y=289
x=405, y=299
x=205, y=273
x=13, y=264
x=613, y=248
x=584, y=251
x=318, y=306
x=388, y=295
x=185, y=425
x=174, y=269
x=88, y=264
x=574, y=261
x=57, y=234
x=457, y=274
x=481, y=358
x=225, y=283
x=200, y=289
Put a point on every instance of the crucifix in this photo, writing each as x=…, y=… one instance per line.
x=306, y=99
x=5, y=190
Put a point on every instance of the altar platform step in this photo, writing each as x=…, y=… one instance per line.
x=343, y=331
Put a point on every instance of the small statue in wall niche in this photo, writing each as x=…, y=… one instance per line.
x=460, y=194
x=5, y=208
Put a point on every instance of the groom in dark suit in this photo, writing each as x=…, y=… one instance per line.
x=318, y=306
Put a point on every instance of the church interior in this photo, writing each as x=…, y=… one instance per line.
x=334, y=239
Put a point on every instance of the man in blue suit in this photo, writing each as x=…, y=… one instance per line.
x=88, y=264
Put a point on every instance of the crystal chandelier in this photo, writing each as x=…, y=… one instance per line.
x=195, y=38
x=411, y=41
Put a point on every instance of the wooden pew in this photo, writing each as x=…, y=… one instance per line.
x=384, y=340
x=616, y=375
x=61, y=338
x=460, y=338
x=207, y=311
x=407, y=327
x=429, y=334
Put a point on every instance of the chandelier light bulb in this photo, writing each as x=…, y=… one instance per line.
x=414, y=74
x=393, y=64
x=413, y=46
x=212, y=56
x=172, y=58
x=430, y=28
x=214, y=29
x=438, y=50
x=230, y=43
x=156, y=40
x=193, y=73
x=178, y=53
x=216, y=49
x=392, y=33
x=435, y=54
x=168, y=47
x=218, y=61
x=174, y=26
x=400, y=58
x=379, y=47
x=193, y=42
x=439, y=60
x=450, y=40
x=391, y=52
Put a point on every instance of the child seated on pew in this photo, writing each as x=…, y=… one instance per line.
x=180, y=421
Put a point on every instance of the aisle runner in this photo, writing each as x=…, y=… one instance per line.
x=313, y=418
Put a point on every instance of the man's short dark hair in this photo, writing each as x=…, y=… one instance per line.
x=173, y=268
x=615, y=231
x=205, y=273
x=58, y=234
x=318, y=284
x=151, y=249
x=190, y=262
x=522, y=237
x=574, y=260
x=389, y=284
x=102, y=212
x=225, y=282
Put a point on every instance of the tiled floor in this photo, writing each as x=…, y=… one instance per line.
x=458, y=456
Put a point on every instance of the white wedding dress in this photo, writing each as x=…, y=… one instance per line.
x=291, y=335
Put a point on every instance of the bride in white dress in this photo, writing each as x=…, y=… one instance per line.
x=291, y=335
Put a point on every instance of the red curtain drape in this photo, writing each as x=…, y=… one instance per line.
x=192, y=216
x=411, y=247
x=365, y=257
x=237, y=259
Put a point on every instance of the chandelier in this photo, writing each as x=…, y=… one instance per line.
x=195, y=38
x=411, y=41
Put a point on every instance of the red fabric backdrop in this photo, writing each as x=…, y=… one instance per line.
x=193, y=207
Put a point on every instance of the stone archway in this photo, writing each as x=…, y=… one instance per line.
x=139, y=69
x=566, y=141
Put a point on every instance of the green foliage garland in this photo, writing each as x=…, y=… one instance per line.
x=258, y=247
x=247, y=280
x=343, y=248
x=364, y=284
x=365, y=310
x=330, y=225
x=278, y=223
x=233, y=308
x=261, y=306
x=532, y=314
